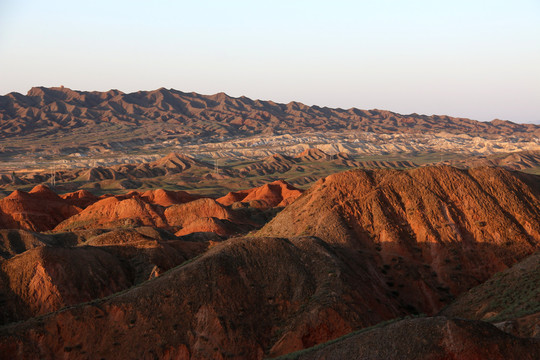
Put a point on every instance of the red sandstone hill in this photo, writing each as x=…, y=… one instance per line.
x=114, y=211
x=277, y=193
x=213, y=225
x=205, y=215
x=242, y=299
x=38, y=210
x=177, y=211
x=80, y=198
x=389, y=243
x=426, y=234
x=183, y=214
x=43, y=210
x=167, y=198
x=163, y=112
x=59, y=270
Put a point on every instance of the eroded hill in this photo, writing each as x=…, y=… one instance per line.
x=358, y=248
x=427, y=233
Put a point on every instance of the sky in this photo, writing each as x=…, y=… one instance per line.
x=476, y=59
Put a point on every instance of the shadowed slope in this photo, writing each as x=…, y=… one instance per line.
x=510, y=298
x=53, y=274
x=16, y=241
x=45, y=279
x=239, y=300
x=426, y=338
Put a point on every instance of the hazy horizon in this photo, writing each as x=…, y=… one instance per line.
x=471, y=59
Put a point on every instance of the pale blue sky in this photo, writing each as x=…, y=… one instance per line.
x=477, y=59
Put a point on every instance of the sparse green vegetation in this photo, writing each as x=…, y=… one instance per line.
x=510, y=294
x=298, y=354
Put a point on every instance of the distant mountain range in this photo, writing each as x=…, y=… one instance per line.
x=172, y=113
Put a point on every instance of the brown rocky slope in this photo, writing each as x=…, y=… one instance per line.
x=521, y=160
x=510, y=299
x=436, y=338
x=245, y=299
x=242, y=299
x=49, y=271
x=165, y=112
x=168, y=165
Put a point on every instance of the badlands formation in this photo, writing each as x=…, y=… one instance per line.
x=272, y=270
x=170, y=225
